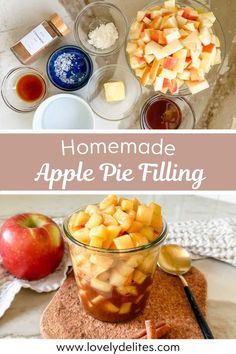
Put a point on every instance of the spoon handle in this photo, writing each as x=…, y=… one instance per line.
x=198, y=314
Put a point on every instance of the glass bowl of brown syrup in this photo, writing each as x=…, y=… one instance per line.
x=167, y=112
x=23, y=89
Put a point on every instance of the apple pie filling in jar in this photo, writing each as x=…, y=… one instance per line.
x=114, y=285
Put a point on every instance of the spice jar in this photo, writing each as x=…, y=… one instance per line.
x=35, y=43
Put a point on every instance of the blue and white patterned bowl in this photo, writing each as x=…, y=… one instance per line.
x=69, y=68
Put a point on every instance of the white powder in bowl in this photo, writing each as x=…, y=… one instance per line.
x=104, y=36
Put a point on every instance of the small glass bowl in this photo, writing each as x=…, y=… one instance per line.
x=9, y=93
x=94, y=15
x=113, y=111
x=188, y=116
x=76, y=76
x=217, y=29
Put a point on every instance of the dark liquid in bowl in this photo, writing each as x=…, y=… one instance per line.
x=163, y=113
x=30, y=88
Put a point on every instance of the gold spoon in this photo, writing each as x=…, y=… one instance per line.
x=175, y=260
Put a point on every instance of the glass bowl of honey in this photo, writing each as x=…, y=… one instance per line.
x=114, y=267
x=167, y=112
x=23, y=89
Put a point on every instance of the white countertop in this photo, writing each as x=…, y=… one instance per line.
x=17, y=17
x=22, y=319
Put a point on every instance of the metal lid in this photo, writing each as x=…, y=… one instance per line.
x=57, y=22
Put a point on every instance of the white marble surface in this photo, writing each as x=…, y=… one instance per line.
x=22, y=319
x=17, y=17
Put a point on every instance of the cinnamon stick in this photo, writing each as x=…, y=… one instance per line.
x=142, y=332
x=151, y=329
x=160, y=332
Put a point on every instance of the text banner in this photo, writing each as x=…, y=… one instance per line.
x=121, y=161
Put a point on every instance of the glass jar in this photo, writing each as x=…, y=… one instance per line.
x=33, y=44
x=113, y=285
x=158, y=111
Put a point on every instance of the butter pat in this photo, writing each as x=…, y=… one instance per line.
x=114, y=91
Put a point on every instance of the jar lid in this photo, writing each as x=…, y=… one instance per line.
x=56, y=20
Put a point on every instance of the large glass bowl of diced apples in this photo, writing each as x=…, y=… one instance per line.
x=176, y=47
x=114, y=249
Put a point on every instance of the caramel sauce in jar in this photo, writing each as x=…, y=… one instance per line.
x=160, y=113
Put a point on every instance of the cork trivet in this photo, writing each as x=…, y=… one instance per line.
x=65, y=319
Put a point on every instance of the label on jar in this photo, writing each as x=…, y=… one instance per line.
x=37, y=39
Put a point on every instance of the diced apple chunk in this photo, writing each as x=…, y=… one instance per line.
x=91, y=209
x=168, y=74
x=105, y=261
x=139, y=239
x=108, y=201
x=185, y=75
x=171, y=48
x=113, y=231
x=169, y=4
x=96, y=300
x=149, y=59
x=158, y=85
x=101, y=285
x=109, y=220
x=205, y=36
x=97, y=269
x=135, y=227
x=79, y=218
x=116, y=279
x=108, y=306
x=127, y=290
x=94, y=220
x=85, y=268
x=125, y=308
x=148, y=265
x=124, y=269
x=96, y=242
x=148, y=233
x=154, y=69
x=139, y=277
x=144, y=214
x=181, y=56
x=127, y=205
x=131, y=47
x=123, y=219
x=134, y=260
x=171, y=34
x=141, y=15
x=197, y=86
x=123, y=242
x=99, y=231
x=146, y=77
x=82, y=235
x=155, y=49
x=80, y=258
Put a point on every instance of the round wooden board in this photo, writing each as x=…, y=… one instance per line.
x=64, y=318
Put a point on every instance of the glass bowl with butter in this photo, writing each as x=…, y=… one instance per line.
x=113, y=92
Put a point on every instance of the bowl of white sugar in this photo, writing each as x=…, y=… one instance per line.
x=100, y=29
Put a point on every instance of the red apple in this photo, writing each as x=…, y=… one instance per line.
x=31, y=246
